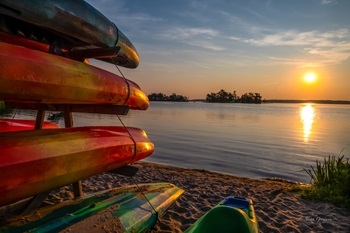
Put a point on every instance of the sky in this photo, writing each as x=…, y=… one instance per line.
x=196, y=47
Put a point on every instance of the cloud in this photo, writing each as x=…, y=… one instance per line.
x=140, y=17
x=331, y=46
x=206, y=45
x=200, y=37
x=329, y=2
x=286, y=38
x=298, y=62
x=185, y=33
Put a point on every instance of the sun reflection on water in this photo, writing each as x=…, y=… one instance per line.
x=307, y=115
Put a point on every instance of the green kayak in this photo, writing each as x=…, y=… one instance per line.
x=234, y=215
x=127, y=209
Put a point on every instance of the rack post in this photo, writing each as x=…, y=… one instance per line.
x=39, y=118
x=68, y=123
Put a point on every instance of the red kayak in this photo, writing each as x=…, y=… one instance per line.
x=31, y=76
x=9, y=125
x=37, y=161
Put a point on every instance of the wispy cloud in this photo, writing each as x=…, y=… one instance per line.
x=329, y=2
x=140, y=17
x=185, y=33
x=206, y=45
x=293, y=37
x=200, y=37
x=298, y=62
x=331, y=47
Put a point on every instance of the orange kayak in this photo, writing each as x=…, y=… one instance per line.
x=9, y=125
x=31, y=76
x=37, y=161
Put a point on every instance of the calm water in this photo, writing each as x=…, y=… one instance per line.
x=267, y=140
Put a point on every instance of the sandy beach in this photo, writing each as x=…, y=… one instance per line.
x=277, y=209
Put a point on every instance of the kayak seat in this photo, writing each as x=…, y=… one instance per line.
x=222, y=219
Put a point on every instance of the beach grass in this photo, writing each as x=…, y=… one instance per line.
x=330, y=181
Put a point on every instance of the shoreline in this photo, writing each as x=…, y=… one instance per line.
x=282, y=101
x=224, y=173
x=277, y=209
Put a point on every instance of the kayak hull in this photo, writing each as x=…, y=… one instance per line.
x=77, y=23
x=9, y=125
x=33, y=162
x=234, y=214
x=31, y=76
x=125, y=209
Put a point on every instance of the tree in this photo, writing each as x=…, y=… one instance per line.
x=226, y=97
x=221, y=97
x=157, y=97
x=163, y=97
x=251, y=98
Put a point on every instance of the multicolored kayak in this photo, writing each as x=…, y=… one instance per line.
x=32, y=162
x=31, y=76
x=67, y=25
x=126, y=209
x=9, y=125
x=234, y=214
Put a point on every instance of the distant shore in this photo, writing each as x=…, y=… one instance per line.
x=293, y=101
x=309, y=101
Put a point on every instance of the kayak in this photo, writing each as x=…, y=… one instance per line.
x=37, y=161
x=234, y=214
x=67, y=25
x=31, y=76
x=124, y=209
x=9, y=125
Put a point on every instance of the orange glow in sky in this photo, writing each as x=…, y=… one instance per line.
x=198, y=47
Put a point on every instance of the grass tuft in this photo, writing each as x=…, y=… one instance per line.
x=330, y=181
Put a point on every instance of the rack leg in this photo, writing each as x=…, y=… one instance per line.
x=68, y=119
x=77, y=186
x=40, y=118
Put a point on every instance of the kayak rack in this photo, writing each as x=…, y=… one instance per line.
x=67, y=110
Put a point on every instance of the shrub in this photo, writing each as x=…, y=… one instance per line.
x=330, y=181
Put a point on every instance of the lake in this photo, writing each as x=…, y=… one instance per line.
x=251, y=140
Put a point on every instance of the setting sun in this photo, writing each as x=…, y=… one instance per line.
x=310, y=77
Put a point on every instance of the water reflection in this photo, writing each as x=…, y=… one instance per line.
x=307, y=115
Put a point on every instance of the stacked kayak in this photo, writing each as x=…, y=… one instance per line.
x=9, y=125
x=63, y=156
x=234, y=214
x=68, y=27
x=27, y=75
x=44, y=45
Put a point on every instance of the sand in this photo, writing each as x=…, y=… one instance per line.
x=277, y=208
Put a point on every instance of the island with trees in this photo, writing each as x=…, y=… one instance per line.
x=163, y=97
x=226, y=97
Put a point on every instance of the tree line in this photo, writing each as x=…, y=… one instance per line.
x=226, y=97
x=163, y=97
x=220, y=97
